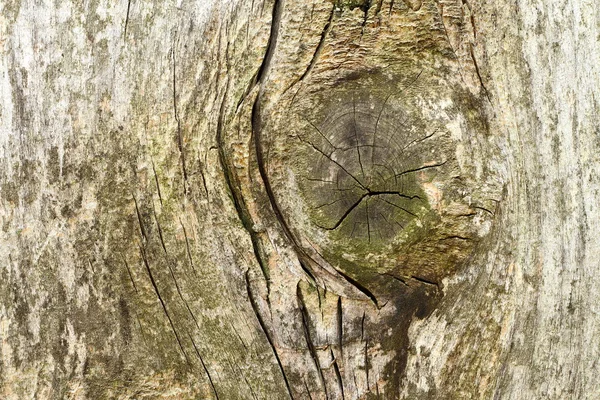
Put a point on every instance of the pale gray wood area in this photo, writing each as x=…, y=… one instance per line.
x=359, y=199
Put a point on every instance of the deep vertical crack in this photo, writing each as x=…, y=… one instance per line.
x=272, y=44
x=172, y=273
x=157, y=184
x=266, y=332
x=162, y=302
x=178, y=121
x=340, y=324
x=129, y=273
x=126, y=19
x=238, y=200
x=367, y=361
x=139, y=217
x=338, y=374
x=187, y=247
x=307, y=336
x=487, y=93
x=210, y=380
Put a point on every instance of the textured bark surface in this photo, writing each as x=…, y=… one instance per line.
x=309, y=199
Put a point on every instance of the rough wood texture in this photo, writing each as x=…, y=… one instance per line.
x=310, y=199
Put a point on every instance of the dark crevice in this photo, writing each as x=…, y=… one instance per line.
x=157, y=184
x=162, y=303
x=425, y=281
x=319, y=132
x=397, y=278
x=160, y=234
x=139, y=216
x=266, y=332
x=238, y=335
x=320, y=46
x=469, y=214
x=487, y=93
x=329, y=204
x=371, y=193
x=362, y=327
x=328, y=156
x=307, y=389
x=420, y=140
x=360, y=288
x=367, y=191
x=318, y=180
x=349, y=280
x=238, y=200
x=367, y=361
x=172, y=273
x=204, y=181
x=340, y=324
x=257, y=131
x=400, y=208
x=260, y=258
x=275, y=21
x=189, y=310
x=187, y=247
x=348, y=211
x=178, y=121
x=126, y=19
x=392, y=192
x=308, y=271
x=137, y=317
x=378, y=8
x=456, y=237
x=473, y=25
x=424, y=167
x=321, y=302
x=338, y=374
x=309, y=343
x=212, y=385
x=365, y=9
x=236, y=193
x=244, y=95
x=484, y=209
x=368, y=220
x=248, y=384
x=129, y=273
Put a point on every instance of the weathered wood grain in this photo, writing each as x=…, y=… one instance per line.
x=311, y=200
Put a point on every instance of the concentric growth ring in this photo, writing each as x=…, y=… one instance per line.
x=363, y=181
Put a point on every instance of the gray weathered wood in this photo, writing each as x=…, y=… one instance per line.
x=310, y=199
